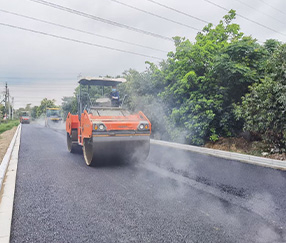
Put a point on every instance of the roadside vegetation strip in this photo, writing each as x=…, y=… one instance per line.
x=5, y=140
x=5, y=126
x=272, y=163
x=6, y=159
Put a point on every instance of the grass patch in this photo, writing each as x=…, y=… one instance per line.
x=7, y=125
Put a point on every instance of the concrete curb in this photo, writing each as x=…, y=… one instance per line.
x=250, y=159
x=8, y=188
x=6, y=159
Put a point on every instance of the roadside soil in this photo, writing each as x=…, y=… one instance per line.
x=5, y=140
x=241, y=145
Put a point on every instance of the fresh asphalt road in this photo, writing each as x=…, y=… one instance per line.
x=175, y=196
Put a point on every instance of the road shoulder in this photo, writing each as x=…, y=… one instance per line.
x=7, y=192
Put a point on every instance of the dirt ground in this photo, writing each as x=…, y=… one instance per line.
x=5, y=140
x=240, y=145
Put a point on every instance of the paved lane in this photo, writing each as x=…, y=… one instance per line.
x=174, y=196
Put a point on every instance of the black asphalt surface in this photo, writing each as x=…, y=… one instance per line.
x=175, y=196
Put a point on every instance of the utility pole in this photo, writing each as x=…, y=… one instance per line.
x=9, y=106
x=12, y=108
x=6, y=101
x=8, y=112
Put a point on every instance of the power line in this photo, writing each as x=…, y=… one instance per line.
x=268, y=15
x=246, y=18
x=178, y=11
x=106, y=21
x=82, y=31
x=78, y=41
x=272, y=7
x=30, y=78
x=156, y=15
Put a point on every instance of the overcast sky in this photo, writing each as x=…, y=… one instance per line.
x=38, y=66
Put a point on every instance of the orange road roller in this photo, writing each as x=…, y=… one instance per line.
x=25, y=117
x=103, y=128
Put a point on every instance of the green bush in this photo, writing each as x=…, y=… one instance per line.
x=7, y=125
x=263, y=109
x=202, y=80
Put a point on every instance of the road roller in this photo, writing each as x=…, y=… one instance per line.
x=25, y=117
x=53, y=117
x=103, y=128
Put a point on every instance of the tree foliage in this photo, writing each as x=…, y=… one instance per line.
x=37, y=111
x=264, y=108
x=69, y=104
x=202, y=81
x=19, y=111
x=45, y=103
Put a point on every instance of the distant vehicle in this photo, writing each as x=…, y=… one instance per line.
x=105, y=131
x=53, y=116
x=24, y=117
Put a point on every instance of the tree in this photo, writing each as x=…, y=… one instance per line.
x=240, y=64
x=203, y=79
x=34, y=112
x=27, y=109
x=264, y=108
x=69, y=104
x=45, y=103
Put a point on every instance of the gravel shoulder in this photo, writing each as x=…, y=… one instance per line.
x=5, y=140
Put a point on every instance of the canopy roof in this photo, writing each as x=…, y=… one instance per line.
x=102, y=81
x=53, y=108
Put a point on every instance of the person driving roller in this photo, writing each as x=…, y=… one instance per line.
x=114, y=96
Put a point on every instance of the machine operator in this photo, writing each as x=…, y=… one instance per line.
x=114, y=96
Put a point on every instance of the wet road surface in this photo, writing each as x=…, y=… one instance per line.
x=175, y=196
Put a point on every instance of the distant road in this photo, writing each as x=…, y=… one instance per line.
x=175, y=196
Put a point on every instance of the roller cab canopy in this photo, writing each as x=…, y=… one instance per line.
x=102, y=81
